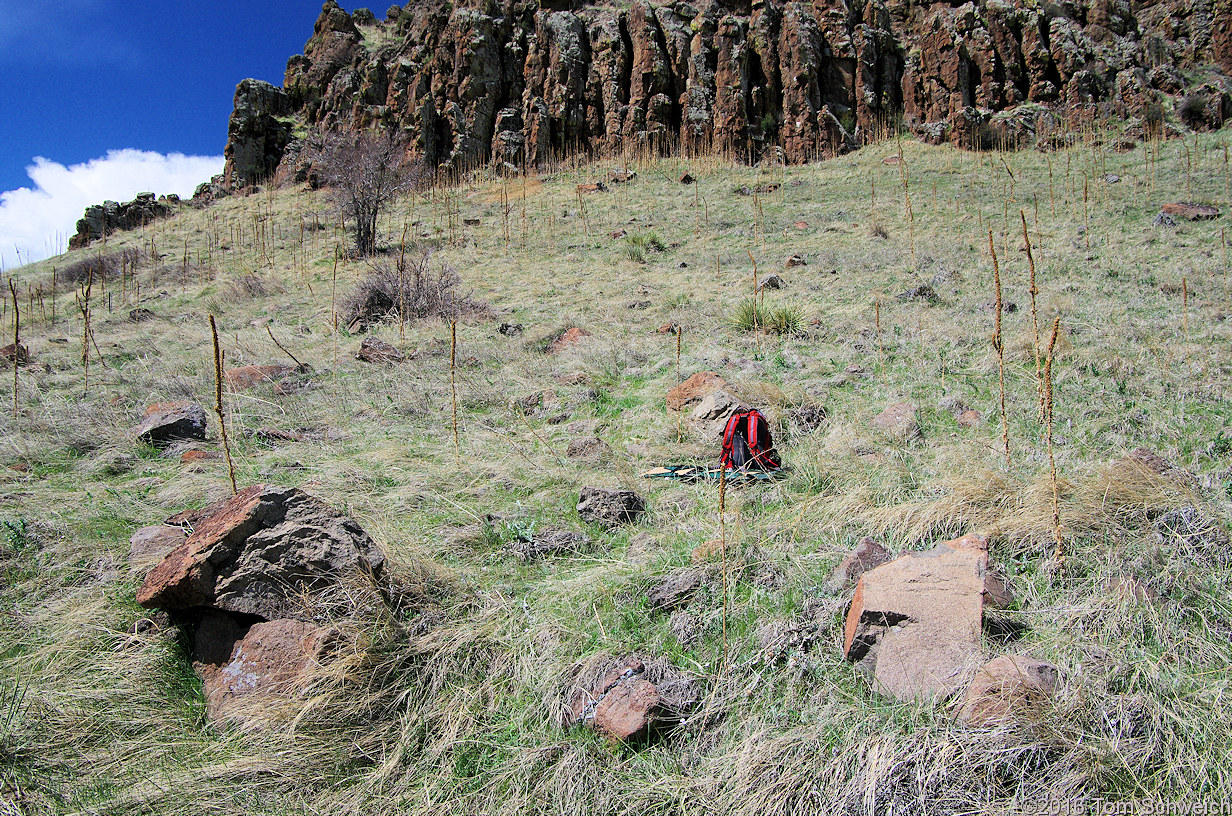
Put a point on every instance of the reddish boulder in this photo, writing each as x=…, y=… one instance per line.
x=1007, y=689
x=266, y=662
x=915, y=623
x=167, y=422
x=246, y=377
x=260, y=554
x=1190, y=211
x=694, y=389
x=571, y=337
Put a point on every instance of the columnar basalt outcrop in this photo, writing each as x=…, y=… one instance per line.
x=513, y=81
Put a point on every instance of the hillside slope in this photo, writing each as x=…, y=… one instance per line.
x=449, y=691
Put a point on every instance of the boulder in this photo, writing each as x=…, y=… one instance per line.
x=262, y=553
x=372, y=350
x=609, y=508
x=867, y=555
x=246, y=377
x=1007, y=689
x=692, y=390
x=914, y=624
x=898, y=421
x=266, y=662
x=15, y=352
x=1190, y=211
x=168, y=422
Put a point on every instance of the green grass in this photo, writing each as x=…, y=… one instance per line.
x=455, y=700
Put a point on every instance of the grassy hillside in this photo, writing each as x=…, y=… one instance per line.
x=453, y=703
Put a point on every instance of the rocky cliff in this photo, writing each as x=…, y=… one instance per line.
x=478, y=81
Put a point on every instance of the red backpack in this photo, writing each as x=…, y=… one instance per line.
x=747, y=444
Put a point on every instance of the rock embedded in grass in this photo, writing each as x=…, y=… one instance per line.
x=675, y=590
x=694, y=389
x=248, y=377
x=610, y=508
x=1190, y=211
x=867, y=555
x=629, y=699
x=914, y=624
x=1008, y=689
x=168, y=422
x=372, y=350
x=260, y=554
x=898, y=421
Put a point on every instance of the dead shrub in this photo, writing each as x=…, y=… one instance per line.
x=414, y=293
x=99, y=267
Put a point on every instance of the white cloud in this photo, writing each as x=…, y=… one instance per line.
x=37, y=222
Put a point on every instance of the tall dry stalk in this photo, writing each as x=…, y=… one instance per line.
x=1059, y=553
x=16, y=343
x=222, y=420
x=999, y=345
x=453, y=382
x=83, y=303
x=723, y=556
x=902, y=175
x=1034, y=291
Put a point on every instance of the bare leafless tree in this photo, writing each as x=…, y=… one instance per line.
x=364, y=172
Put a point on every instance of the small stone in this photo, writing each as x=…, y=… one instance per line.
x=694, y=389
x=608, y=507
x=924, y=292
x=194, y=455
x=1007, y=689
x=898, y=421
x=970, y=419
x=1112, y=178
x=686, y=179
x=771, y=281
x=596, y=187
x=510, y=329
x=591, y=449
x=795, y=261
x=570, y=337
x=139, y=315
x=623, y=176
x=707, y=551
x=372, y=350
x=13, y=352
x=549, y=541
x=617, y=234
x=637, y=304
x=675, y=590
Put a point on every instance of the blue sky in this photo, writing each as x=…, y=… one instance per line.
x=94, y=88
